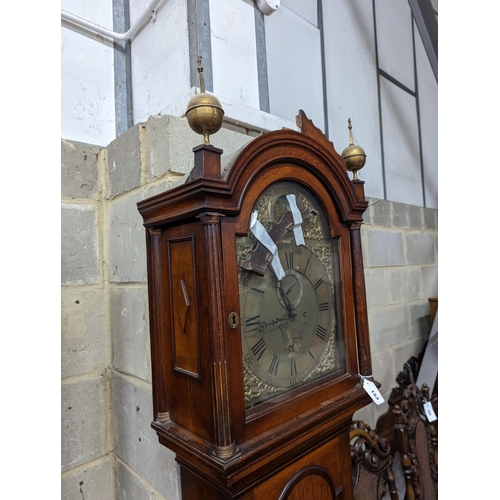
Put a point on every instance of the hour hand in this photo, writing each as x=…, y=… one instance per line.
x=260, y=256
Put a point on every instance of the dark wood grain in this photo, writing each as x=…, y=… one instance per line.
x=158, y=347
x=364, y=351
x=206, y=162
x=294, y=447
x=182, y=293
x=224, y=444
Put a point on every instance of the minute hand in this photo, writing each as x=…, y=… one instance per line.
x=263, y=326
x=260, y=256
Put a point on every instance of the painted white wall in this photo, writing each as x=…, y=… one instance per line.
x=160, y=59
x=352, y=84
x=395, y=41
x=234, y=52
x=294, y=66
x=307, y=9
x=401, y=148
x=87, y=78
x=428, y=105
x=161, y=80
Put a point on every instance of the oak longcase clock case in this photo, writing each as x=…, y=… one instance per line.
x=258, y=319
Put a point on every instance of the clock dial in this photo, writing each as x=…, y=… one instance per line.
x=285, y=322
x=288, y=318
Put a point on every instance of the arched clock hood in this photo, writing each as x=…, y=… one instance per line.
x=308, y=152
x=208, y=311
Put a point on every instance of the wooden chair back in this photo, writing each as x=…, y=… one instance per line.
x=416, y=441
x=371, y=459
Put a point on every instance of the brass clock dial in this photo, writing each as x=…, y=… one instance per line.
x=289, y=318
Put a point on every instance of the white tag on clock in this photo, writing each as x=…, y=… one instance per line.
x=372, y=390
x=429, y=411
x=260, y=233
x=297, y=220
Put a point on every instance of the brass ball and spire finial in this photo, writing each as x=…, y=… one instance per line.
x=354, y=156
x=204, y=111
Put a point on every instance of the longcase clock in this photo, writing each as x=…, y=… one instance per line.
x=259, y=331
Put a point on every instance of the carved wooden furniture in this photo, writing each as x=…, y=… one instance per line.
x=256, y=374
x=371, y=457
x=408, y=375
x=416, y=442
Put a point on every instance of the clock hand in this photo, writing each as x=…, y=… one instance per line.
x=263, y=324
x=290, y=288
x=285, y=297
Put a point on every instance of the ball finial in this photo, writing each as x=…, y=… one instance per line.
x=354, y=156
x=204, y=111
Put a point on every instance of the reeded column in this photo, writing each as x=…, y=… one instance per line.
x=224, y=442
x=160, y=402
x=362, y=332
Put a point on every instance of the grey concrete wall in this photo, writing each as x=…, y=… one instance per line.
x=401, y=271
x=87, y=461
x=165, y=152
x=109, y=450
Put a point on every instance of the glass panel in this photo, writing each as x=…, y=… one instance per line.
x=290, y=301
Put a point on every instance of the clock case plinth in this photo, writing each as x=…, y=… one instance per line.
x=198, y=400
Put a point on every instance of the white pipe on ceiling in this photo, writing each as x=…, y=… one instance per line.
x=147, y=14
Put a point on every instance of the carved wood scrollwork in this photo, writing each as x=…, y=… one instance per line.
x=373, y=454
x=416, y=441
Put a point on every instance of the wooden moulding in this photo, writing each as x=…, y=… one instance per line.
x=253, y=459
x=309, y=150
x=199, y=407
x=224, y=443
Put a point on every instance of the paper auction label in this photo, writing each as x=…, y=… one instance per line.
x=372, y=390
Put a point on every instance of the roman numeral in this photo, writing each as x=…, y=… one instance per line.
x=321, y=332
x=274, y=365
x=289, y=260
x=323, y=306
x=259, y=348
x=257, y=290
x=251, y=322
x=305, y=268
x=310, y=353
x=318, y=283
x=293, y=367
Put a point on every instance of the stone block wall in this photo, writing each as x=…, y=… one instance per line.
x=401, y=271
x=109, y=450
x=86, y=444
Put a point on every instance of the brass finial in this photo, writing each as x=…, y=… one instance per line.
x=354, y=156
x=204, y=111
